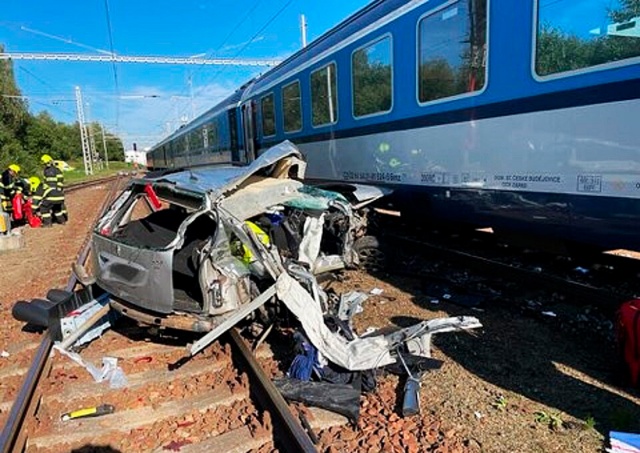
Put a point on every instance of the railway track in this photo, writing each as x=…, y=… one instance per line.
x=477, y=270
x=206, y=403
x=91, y=183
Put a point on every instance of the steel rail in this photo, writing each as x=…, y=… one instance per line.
x=291, y=436
x=89, y=183
x=11, y=438
x=607, y=300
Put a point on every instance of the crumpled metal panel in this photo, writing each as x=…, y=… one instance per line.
x=220, y=180
x=140, y=276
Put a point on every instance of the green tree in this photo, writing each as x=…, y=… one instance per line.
x=25, y=137
x=559, y=51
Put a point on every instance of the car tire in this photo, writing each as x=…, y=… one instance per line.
x=371, y=255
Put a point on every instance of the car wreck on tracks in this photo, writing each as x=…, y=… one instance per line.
x=206, y=248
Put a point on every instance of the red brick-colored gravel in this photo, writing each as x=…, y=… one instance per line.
x=43, y=263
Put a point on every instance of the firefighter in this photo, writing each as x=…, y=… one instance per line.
x=9, y=186
x=53, y=176
x=47, y=202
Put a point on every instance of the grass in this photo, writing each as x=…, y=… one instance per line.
x=77, y=174
x=552, y=420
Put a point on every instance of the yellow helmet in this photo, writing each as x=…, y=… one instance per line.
x=15, y=168
x=34, y=182
x=45, y=159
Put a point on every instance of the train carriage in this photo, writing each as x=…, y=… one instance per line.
x=516, y=116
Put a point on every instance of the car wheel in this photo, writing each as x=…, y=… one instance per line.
x=371, y=255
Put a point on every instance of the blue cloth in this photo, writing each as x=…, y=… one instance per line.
x=305, y=361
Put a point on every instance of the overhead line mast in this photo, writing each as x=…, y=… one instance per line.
x=138, y=59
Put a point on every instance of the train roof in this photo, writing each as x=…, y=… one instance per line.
x=231, y=101
x=345, y=29
x=341, y=32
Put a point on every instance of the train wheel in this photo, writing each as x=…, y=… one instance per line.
x=371, y=255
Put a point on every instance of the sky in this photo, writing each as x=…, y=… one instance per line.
x=142, y=103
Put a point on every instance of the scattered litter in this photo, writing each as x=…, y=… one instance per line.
x=624, y=442
x=376, y=291
x=4, y=354
x=581, y=270
x=478, y=415
x=537, y=269
x=110, y=370
x=350, y=305
x=549, y=313
x=434, y=301
x=96, y=411
x=446, y=296
x=368, y=331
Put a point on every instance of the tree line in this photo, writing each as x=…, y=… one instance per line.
x=24, y=137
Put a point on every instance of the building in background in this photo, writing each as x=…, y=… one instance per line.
x=135, y=156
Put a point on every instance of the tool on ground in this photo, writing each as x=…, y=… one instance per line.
x=96, y=411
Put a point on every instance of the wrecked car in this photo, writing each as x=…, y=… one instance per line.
x=185, y=248
x=207, y=248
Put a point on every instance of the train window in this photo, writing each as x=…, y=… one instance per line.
x=371, y=78
x=267, y=108
x=324, y=96
x=576, y=34
x=291, y=107
x=195, y=141
x=212, y=136
x=452, y=45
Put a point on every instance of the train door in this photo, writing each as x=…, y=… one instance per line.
x=234, y=146
x=249, y=130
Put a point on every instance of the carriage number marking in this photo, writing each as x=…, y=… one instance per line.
x=589, y=183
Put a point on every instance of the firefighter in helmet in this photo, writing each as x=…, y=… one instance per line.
x=47, y=202
x=9, y=186
x=53, y=176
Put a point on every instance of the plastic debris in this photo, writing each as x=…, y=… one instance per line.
x=350, y=305
x=110, y=370
x=549, y=313
x=581, y=270
x=376, y=291
x=4, y=354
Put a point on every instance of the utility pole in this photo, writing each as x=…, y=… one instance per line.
x=191, y=97
x=303, y=30
x=92, y=143
x=104, y=145
x=84, y=137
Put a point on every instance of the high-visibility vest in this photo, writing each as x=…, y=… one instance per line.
x=44, y=192
x=54, y=177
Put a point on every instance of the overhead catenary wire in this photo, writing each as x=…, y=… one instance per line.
x=252, y=39
x=113, y=63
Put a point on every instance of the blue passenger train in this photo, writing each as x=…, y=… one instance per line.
x=516, y=115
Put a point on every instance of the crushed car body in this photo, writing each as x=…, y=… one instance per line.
x=198, y=242
x=205, y=248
